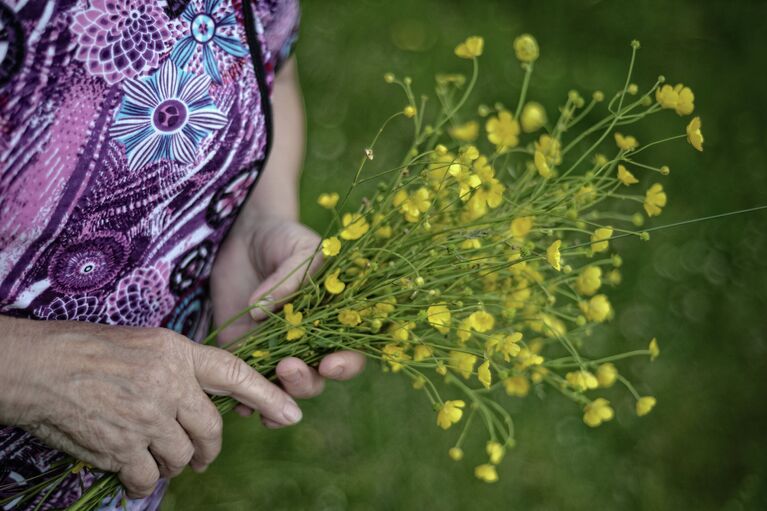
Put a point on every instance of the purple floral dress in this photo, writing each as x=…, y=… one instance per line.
x=131, y=132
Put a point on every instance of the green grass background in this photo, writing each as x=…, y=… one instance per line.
x=372, y=443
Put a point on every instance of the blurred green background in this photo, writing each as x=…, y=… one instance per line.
x=372, y=443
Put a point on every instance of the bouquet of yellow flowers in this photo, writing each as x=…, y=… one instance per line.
x=479, y=269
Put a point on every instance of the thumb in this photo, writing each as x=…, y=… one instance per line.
x=285, y=280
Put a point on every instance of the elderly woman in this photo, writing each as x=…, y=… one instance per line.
x=134, y=133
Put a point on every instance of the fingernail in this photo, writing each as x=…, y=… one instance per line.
x=335, y=372
x=292, y=413
x=256, y=311
x=199, y=468
x=292, y=376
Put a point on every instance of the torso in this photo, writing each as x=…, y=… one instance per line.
x=131, y=132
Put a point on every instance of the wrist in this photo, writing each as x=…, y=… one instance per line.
x=16, y=345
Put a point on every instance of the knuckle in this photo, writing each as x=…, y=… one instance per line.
x=214, y=427
x=238, y=372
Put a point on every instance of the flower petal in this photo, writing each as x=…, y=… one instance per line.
x=207, y=119
x=167, y=81
x=195, y=89
x=145, y=152
x=183, y=51
x=230, y=45
x=209, y=61
x=128, y=125
x=182, y=148
x=141, y=92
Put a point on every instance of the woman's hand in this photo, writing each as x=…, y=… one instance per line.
x=126, y=400
x=264, y=263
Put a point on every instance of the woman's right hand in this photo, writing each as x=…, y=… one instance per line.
x=126, y=400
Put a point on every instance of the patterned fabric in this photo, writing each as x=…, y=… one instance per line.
x=131, y=132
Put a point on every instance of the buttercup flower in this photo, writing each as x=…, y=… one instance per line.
x=455, y=453
x=484, y=375
x=521, y=226
x=467, y=132
x=625, y=176
x=655, y=200
x=597, y=412
x=606, y=375
x=481, y=321
x=644, y=405
x=517, y=386
x=496, y=451
x=450, y=413
x=328, y=200
x=463, y=363
x=355, y=226
x=293, y=318
x=597, y=309
x=678, y=98
x=533, y=117
x=486, y=473
x=503, y=130
x=439, y=317
x=165, y=117
x=333, y=284
x=626, y=143
x=654, y=349
x=694, y=134
x=600, y=239
x=526, y=48
x=331, y=246
x=582, y=380
x=349, y=317
x=553, y=256
x=541, y=165
x=470, y=48
x=589, y=280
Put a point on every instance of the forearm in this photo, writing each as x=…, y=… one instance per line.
x=15, y=347
x=277, y=191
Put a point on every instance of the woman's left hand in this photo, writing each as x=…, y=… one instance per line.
x=256, y=266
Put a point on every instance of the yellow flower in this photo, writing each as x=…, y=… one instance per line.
x=385, y=307
x=333, y=284
x=606, y=375
x=331, y=247
x=439, y=317
x=541, y=166
x=455, y=453
x=486, y=473
x=463, y=363
x=328, y=200
x=645, y=405
x=422, y=352
x=521, y=226
x=517, y=386
x=655, y=199
x=471, y=244
x=597, y=309
x=597, y=412
x=260, y=354
x=679, y=98
x=509, y=347
x=694, y=134
x=467, y=180
x=481, y=321
x=553, y=256
x=503, y=130
x=600, y=239
x=349, y=317
x=292, y=317
x=470, y=48
x=440, y=369
x=654, y=349
x=490, y=191
x=409, y=111
x=551, y=148
x=589, y=281
x=467, y=132
x=412, y=205
x=626, y=143
x=355, y=226
x=582, y=380
x=625, y=176
x=295, y=333
x=496, y=451
x=450, y=413
x=484, y=375
x=526, y=48
x=464, y=330
x=533, y=117
x=400, y=331
x=395, y=355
